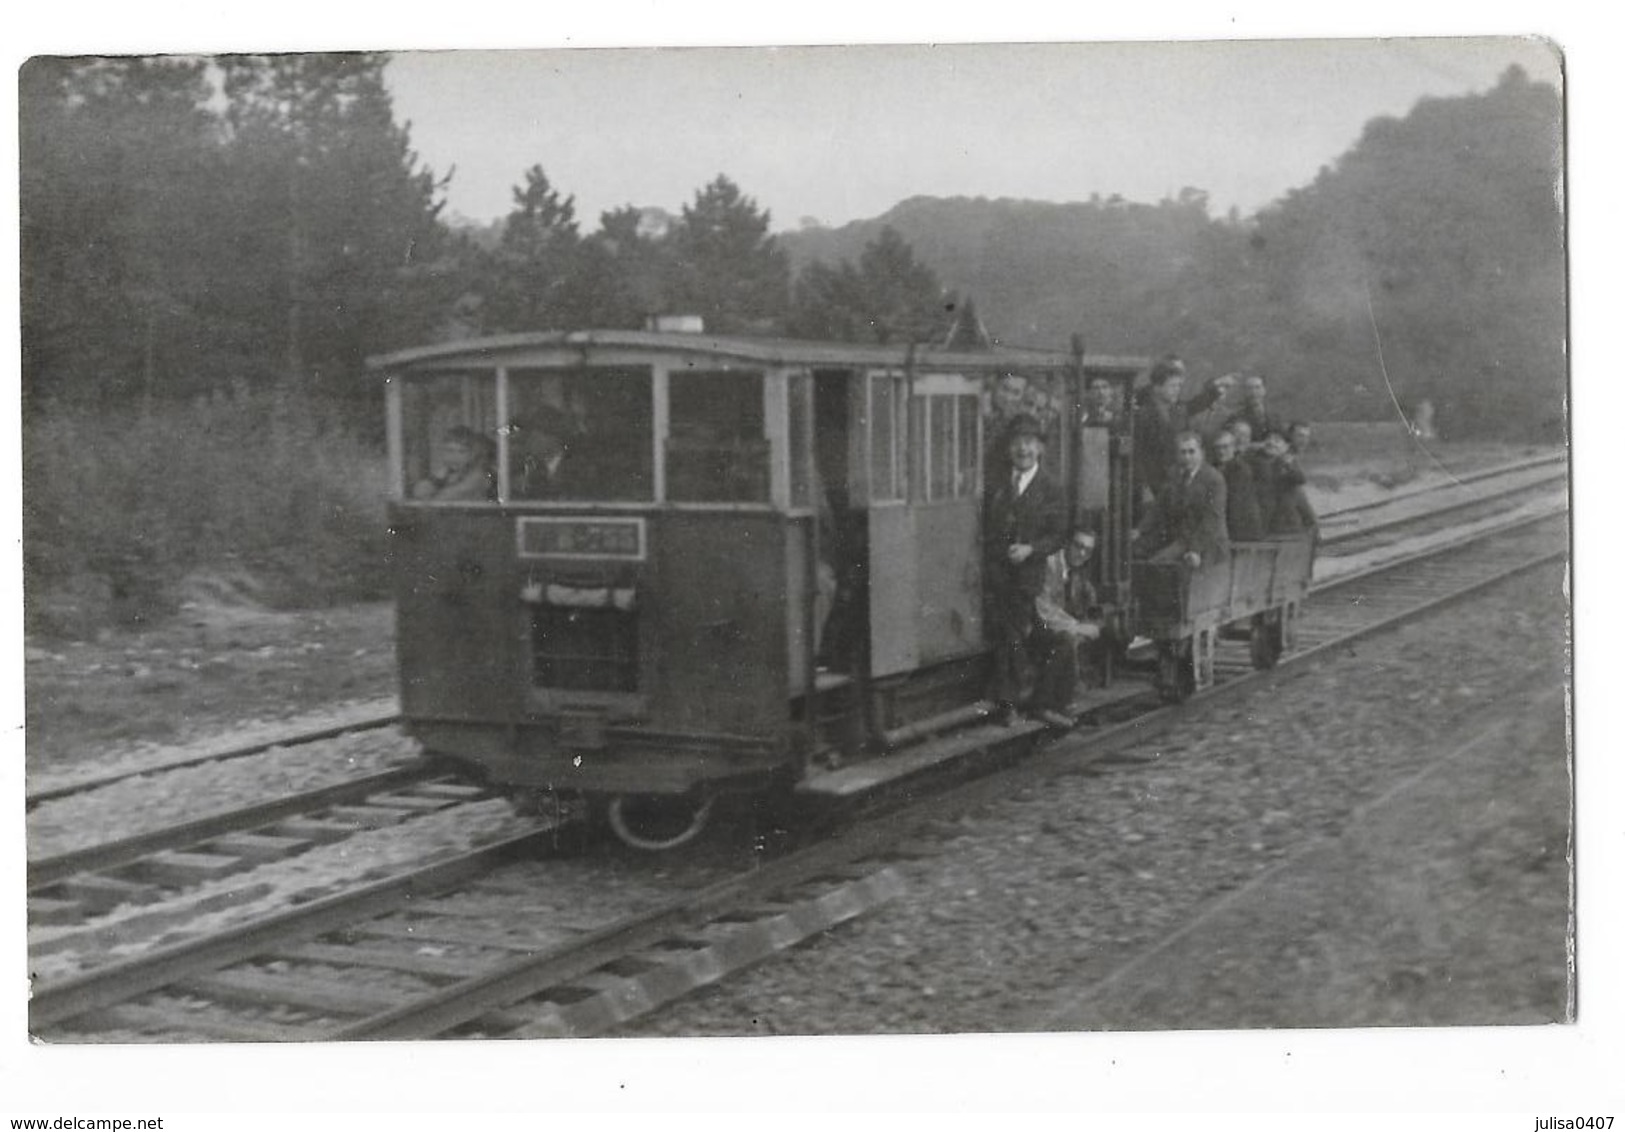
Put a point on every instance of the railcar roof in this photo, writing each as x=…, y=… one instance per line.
x=768, y=351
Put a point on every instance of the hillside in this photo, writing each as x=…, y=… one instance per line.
x=1426, y=262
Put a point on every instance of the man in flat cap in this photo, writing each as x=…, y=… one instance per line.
x=1023, y=524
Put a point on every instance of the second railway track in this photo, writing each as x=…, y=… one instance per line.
x=473, y=946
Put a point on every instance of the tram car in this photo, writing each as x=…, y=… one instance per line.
x=649, y=568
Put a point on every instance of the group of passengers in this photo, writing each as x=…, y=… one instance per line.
x=545, y=447
x=1254, y=453
x=1208, y=472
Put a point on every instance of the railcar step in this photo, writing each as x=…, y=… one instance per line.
x=1094, y=699
x=889, y=769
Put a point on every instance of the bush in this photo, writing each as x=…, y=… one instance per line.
x=120, y=507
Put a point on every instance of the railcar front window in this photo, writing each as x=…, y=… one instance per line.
x=583, y=434
x=448, y=438
x=718, y=450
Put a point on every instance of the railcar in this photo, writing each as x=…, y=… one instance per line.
x=661, y=566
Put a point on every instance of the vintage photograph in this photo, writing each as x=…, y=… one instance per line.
x=759, y=541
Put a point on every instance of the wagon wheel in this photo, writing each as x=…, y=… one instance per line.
x=1266, y=640
x=657, y=822
x=1176, y=672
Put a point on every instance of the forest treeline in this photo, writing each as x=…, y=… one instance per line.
x=191, y=225
x=210, y=247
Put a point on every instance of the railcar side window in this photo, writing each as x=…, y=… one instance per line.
x=718, y=450
x=940, y=483
x=953, y=445
x=581, y=434
x=448, y=437
x=969, y=471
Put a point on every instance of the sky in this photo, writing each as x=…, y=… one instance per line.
x=835, y=134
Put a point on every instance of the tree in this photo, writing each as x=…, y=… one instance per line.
x=531, y=280
x=336, y=227
x=119, y=159
x=625, y=269
x=726, y=266
x=888, y=296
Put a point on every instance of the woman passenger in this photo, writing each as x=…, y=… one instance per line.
x=468, y=473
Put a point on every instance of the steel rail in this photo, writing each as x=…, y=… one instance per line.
x=90, y=782
x=1433, y=550
x=119, y=981
x=1350, y=534
x=868, y=836
x=46, y=871
x=1466, y=478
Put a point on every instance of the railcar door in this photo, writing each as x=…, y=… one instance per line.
x=924, y=519
x=946, y=412
x=894, y=583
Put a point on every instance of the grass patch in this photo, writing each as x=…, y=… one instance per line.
x=122, y=510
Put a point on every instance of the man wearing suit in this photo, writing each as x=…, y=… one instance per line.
x=1159, y=418
x=1187, y=522
x=1023, y=524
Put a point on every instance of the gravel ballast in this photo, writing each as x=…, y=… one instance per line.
x=1033, y=901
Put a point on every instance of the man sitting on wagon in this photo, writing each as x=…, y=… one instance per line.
x=1187, y=522
x=1069, y=625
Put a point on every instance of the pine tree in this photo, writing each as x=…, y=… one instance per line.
x=532, y=278
x=336, y=219
x=726, y=266
x=119, y=159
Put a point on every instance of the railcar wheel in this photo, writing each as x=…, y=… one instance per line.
x=657, y=822
x=1266, y=640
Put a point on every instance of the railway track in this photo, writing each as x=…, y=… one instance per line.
x=77, y=885
x=462, y=948
x=1373, y=526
